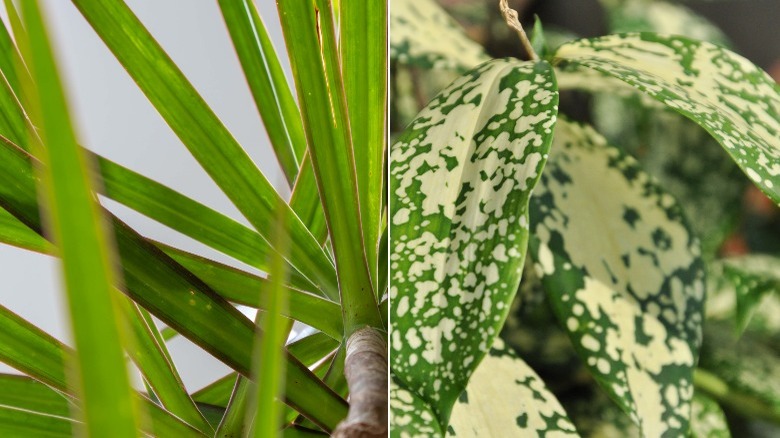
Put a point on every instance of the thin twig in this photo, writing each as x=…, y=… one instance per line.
x=510, y=16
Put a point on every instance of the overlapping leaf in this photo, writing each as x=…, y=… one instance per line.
x=735, y=101
x=505, y=397
x=623, y=274
x=686, y=160
x=460, y=182
x=410, y=416
x=425, y=35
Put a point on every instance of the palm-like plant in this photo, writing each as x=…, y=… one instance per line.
x=322, y=249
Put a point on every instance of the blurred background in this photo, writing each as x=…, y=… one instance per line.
x=113, y=118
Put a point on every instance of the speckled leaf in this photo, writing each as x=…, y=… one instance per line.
x=661, y=17
x=751, y=277
x=410, y=416
x=748, y=369
x=708, y=419
x=735, y=101
x=460, y=182
x=686, y=160
x=425, y=35
x=505, y=397
x=623, y=274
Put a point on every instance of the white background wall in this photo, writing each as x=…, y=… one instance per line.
x=114, y=118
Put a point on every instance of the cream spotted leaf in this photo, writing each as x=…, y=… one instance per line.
x=410, y=416
x=735, y=101
x=460, y=183
x=624, y=276
x=708, y=419
x=752, y=277
x=505, y=397
x=425, y=35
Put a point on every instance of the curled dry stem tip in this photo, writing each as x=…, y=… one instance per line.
x=365, y=368
x=510, y=16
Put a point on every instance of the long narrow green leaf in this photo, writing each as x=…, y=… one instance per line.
x=363, y=48
x=308, y=350
x=26, y=393
x=305, y=201
x=21, y=423
x=268, y=364
x=170, y=292
x=81, y=237
x=187, y=216
x=15, y=233
x=263, y=72
x=460, y=183
x=204, y=135
x=35, y=353
x=155, y=364
x=244, y=288
x=310, y=37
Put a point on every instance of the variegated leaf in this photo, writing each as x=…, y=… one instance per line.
x=505, y=397
x=708, y=419
x=460, y=183
x=751, y=277
x=686, y=160
x=735, y=101
x=410, y=416
x=748, y=368
x=425, y=35
x=624, y=276
x=662, y=17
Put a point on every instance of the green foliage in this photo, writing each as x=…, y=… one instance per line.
x=321, y=250
x=620, y=270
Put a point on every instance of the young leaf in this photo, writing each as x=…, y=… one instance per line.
x=461, y=178
x=425, y=35
x=633, y=305
x=311, y=40
x=505, y=397
x=735, y=101
x=78, y=229
x=752, y=277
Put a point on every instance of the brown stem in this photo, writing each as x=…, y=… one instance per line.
x=510, y=15
x=365, y=368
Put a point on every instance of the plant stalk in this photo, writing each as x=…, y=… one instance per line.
x=510, y=16
x=365, y=368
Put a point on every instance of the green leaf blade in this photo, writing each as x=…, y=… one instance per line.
x=460, y=184
x=735, y=101
x=266, y=79
x=633, y=305
x=311, y=41
x=363, y=50
x=203, y=133
x=82, y=240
